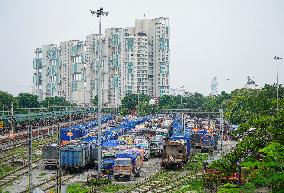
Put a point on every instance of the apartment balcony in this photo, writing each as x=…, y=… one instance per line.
x=37, y=63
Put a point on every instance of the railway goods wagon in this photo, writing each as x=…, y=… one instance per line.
x=92, y=141
x=75, y=156
x=85, y=152
x=50, y=155
x=176, y=152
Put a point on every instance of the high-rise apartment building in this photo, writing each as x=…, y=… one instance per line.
x=134, y=60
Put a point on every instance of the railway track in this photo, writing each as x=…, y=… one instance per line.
x=7, y=158
x=13, y=175
x=10, y=146
x=50, y=183
x=21, y=138
x=168, y=181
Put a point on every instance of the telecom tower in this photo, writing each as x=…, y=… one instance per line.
x=214, y=85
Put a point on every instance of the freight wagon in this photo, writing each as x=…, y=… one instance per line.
x=84, y=152
x=50, y=155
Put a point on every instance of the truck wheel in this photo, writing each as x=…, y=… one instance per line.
x=131, y=177
x=138, y=174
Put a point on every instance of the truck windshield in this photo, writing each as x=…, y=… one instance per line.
x=122, y=163
x=144, y=145
x=156, y=144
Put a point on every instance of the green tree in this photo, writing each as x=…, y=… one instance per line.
x=130, y=101
x=95, y=101
x=6, y=100
x=248, y=103
x=167, y=102
x=144, y=108
x=55, y=101
x=194, y=101
x=26, y=100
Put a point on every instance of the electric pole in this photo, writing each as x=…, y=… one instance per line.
x=58, y=171
x=30, y=140
x=277, y=89
x=222, y=129
x=99, y=13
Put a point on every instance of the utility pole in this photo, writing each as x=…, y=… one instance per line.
x=58, y=171
x=30, y=155
x=12, y=117
x=277, y=89
x=222, y=129
x=12, y=126
x=30, y=140
x=99, y=13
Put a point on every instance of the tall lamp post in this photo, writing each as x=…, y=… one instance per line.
x=99, y=13
x=181, y=95
x=277, y=89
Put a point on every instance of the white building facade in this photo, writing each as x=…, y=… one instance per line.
x=134, y=60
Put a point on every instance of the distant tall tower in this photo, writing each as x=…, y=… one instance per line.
x=214, y=85
x=250, y=82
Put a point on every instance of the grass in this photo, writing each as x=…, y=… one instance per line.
x=22, y=150
x=114, y=188
x=78, y=188
x=5, y=169
x=194, y=185
x=195, y=164
x=1, y=191
x=42, y=174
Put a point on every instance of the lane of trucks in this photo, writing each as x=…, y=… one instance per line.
x=127, y=142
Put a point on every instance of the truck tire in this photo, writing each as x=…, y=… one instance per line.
x=131, y=177
x=138, y=174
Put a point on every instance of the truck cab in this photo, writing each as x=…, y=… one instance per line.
x=108, y=162
x=146, y=148
x=127, y=164
x=156, y=147
x=123, y=167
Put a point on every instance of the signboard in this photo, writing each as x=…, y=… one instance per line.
x=195, y=129
x=70, y=134
x=1, y=124
x=12, y=135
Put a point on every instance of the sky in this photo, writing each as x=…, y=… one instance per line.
x=229, y=39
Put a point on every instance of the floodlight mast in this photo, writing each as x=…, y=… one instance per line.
x=99, y=13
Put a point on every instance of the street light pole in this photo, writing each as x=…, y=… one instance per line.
x=99, y=13
x=181, y=95
x=277, y=89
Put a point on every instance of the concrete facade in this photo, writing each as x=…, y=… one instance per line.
x=134, y=60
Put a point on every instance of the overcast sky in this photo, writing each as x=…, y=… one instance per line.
x=230, y=39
